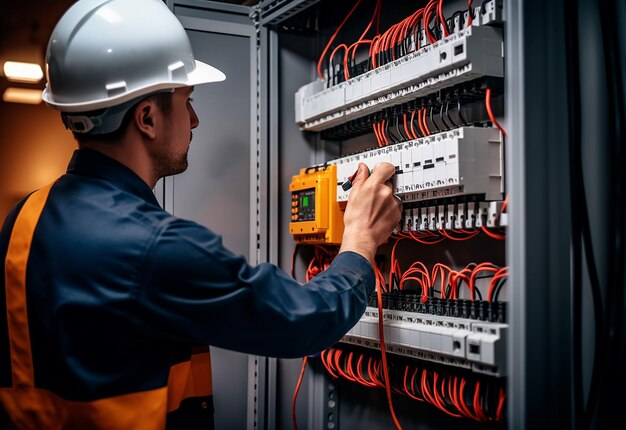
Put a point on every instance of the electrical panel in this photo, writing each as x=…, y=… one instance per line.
x=421, y=95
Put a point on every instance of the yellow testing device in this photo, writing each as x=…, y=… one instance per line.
x=316, y=217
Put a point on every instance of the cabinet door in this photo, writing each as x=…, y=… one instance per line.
x=218, y=190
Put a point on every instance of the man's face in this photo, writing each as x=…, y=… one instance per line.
x=172, y=158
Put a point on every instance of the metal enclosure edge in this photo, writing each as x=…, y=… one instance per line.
x=236, y=20
x=538, y=251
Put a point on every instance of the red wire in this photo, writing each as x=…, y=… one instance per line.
x=336, y=358
x=321, y=59
x=426, y=20
x=455, y=397
x=490, y=112
x=394, y=263
x=406, y=129
x=451, y=397
x=425, y=123
x=441, y=268
x=502, y=273
x=295, y=394
x=469, y=13
x=444, y=233
x=420, y=123
x=352, y=48
x=376, y=13
x=500, y=408
x=332, y=55
x=411, y=393
x=477, y=407
x=425, y=242
x=483, y=267
x=415, y=18
x=383, y=132
x=413, y=133
x=350, y=370
x=425, y=392
x=327, y=364
x=374, y=50
x=505, y=204
x=441, y=397
x=491, y=234
x=359, y=367
x=383, y=351
x=442, y=19
x=375, y=127
x=468, y=413
x=393, y=35
x=372, y=373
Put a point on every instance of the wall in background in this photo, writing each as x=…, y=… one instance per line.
x=34, y=145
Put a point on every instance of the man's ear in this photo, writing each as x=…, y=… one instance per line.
x=145, y=118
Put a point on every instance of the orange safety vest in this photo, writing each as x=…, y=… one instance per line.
x=29, y=407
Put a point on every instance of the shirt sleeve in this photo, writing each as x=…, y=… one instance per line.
x=196, y=290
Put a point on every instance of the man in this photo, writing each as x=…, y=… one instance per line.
x=110, y=302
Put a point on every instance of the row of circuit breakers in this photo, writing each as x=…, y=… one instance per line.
x=447, y=180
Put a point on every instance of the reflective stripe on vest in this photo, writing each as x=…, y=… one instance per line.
x=29, y=407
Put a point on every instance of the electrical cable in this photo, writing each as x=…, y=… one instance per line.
x=383, y=350
x=490, y=112
x=458, y=108
x=580, y=230
x=614, y=352
x=442, y=19
x=295, y=394
x=332, y=39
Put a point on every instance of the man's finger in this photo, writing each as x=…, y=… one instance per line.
x=362, y=174
x=383, y=172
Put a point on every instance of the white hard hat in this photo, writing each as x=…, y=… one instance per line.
x=105, y=53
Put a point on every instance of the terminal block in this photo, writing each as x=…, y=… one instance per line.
x=476, y=345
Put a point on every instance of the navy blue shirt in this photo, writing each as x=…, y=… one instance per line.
x=117, y=288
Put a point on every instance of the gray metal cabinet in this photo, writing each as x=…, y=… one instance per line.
x=219, y=188
x=248, y=146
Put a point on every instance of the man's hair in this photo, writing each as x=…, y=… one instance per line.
x=163, y=100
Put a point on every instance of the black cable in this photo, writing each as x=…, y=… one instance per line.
x=497, y=288
x=583, y=413
x=390, y=136
x=404, y=138
x=416, y=127
x=443, y=120
x=432, y=120
x=617, y=250
x=460, y=112
x=570, y=10
x=454, y=124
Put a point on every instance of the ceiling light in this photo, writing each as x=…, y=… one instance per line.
x=22, y=95
x=23, y=72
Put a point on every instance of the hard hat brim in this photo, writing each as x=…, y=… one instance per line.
x=202, y=74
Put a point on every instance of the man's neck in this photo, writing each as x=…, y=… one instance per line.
x=130, y=154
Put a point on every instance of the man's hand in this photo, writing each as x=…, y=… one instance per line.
x=372, y=211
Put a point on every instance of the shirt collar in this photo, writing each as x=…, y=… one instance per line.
x=87, y=162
